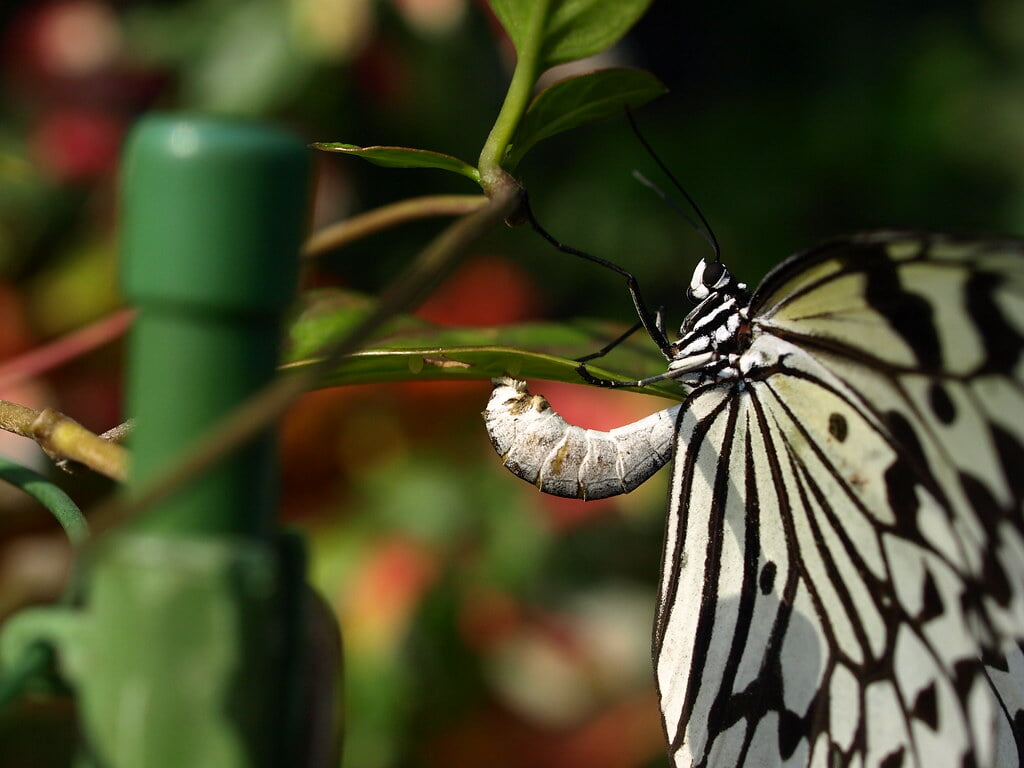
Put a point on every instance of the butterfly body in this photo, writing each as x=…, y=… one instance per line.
x=843, y=571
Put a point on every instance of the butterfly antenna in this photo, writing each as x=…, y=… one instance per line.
x=703, y=228
x=708, y=238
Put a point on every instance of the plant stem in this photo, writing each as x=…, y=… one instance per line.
x=17, y=418
x=65, y=439
x=357, y=227
x=517, y=98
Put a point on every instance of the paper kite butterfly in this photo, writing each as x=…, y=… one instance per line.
x=843, y=572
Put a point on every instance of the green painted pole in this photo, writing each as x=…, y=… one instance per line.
x=189, y=650
x=197, y=639
x=214, y=214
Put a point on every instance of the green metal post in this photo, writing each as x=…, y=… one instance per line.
x=213, y=220
x=191, y=640
x=197, y=639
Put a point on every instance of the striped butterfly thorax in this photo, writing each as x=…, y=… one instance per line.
x=843, y=572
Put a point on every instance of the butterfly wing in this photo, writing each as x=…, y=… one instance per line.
x=928, y=331
x=836, y=567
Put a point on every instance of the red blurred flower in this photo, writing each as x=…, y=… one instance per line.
x=385, y=591
x=486, y=290
x=78, y=144
x=60, y=40
x=382, y=73
x=78, y=37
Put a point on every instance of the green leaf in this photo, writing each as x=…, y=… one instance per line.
x=515, y=17
x=403, y=157
x=411, y=349
x=570, y=29
x=580, y=100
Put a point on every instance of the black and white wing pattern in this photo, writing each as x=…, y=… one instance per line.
x=843, y=573
x=843, y=579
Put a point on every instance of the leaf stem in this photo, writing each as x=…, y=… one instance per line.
x=517, y=98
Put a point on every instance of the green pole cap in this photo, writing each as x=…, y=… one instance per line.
x=210, y=213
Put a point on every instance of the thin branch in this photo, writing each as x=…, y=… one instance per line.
x=337, y=235
x=120, y=433
x=64, y=439
x=17, y=418
x=115, y=435
x=66, y=348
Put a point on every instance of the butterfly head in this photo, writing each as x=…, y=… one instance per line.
x=712, y=277
x=716, y=326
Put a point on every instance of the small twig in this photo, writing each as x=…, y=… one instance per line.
x=17, y=418
x=120, y=433
x=115, y=435
x=337, y=235
x=64, y=439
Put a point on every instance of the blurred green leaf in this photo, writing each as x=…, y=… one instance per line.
x=570, y=29
x=414, y=350
x=580, y=100
x=403, y=157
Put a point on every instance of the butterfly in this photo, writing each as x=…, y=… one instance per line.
x=843, y=573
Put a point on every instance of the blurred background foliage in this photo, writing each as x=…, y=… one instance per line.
x=485, y=624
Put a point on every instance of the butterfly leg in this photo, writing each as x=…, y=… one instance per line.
x=649, y=321
x=590, y=378
x=658, y=322
x=612, y=344
x=678, y=370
